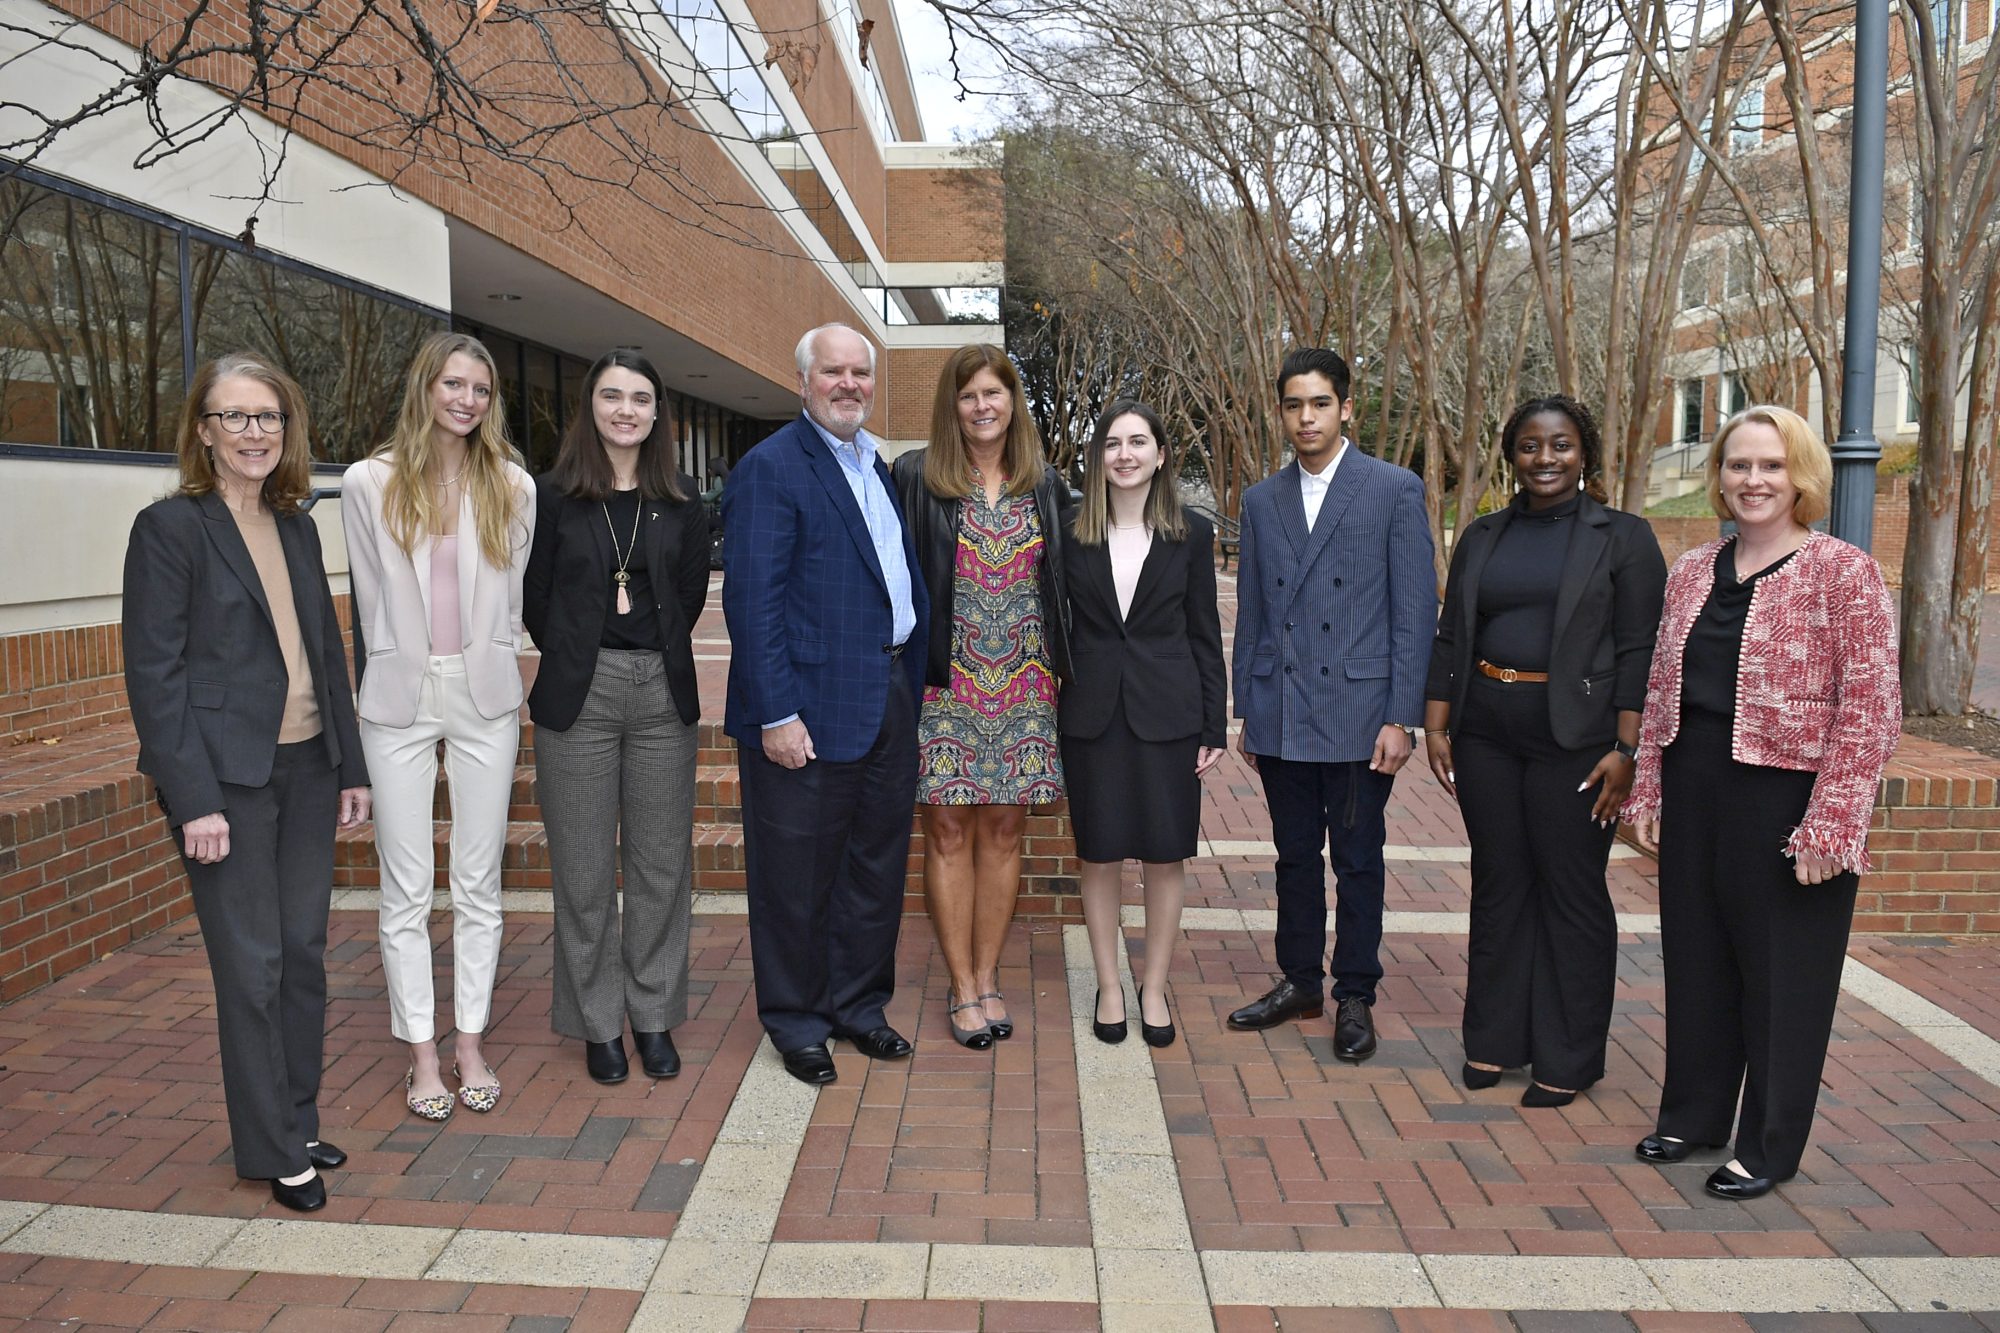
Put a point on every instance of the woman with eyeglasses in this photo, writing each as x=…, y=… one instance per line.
x=438, y=524
x=238, y=685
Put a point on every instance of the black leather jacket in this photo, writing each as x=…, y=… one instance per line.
x=933, y=524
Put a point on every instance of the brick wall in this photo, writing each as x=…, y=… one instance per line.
x=1678, y=536
x=903, y=407
x=1936, y=845
x=1892, y=529
x=57, y=681
x=945, y=215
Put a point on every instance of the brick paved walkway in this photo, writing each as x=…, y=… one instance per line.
x=1234, y=1181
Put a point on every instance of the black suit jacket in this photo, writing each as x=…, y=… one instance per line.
x=563, y=595
x=1165, y=656
x=1608, y=601
x=203, y=668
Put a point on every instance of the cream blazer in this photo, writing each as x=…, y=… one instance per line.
x=392, y=598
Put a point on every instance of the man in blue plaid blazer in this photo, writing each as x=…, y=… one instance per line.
x=822, y=601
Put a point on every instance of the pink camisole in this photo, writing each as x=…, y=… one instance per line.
x=447, y=635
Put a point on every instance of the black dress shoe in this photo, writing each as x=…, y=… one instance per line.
x=810, y=1064
x=307, y=1198
x=325, y=1156
x=1726, y=1184
x=1536, y=1094
x=606, y=1060
x=1279, y=1003
x=1108, y=1033
x=1156, y=1034
x=1472, y=1076
x=1659, y=1149
x=1353, y=1030
x=884, y=1043
x=657, y=1055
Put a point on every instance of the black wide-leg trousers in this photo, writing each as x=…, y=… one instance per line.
x=1752, y=957
x=826, y=849
x=1542, y=954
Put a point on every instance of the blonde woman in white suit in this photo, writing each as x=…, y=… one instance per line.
x=439, y=521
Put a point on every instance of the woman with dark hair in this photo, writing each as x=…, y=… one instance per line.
x=985, y=512
x=1773, y=706
x=238, y=682
x=1143, y=718
x=616, y=579
x=438, y=523
x=1537, y=678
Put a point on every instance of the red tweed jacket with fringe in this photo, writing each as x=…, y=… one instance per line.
x=1817, y=687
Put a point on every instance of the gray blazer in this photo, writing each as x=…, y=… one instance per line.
x=1333, y=626
x=203, y=668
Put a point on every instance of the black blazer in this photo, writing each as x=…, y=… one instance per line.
x=933, y=524
x=1165, y=656
x=1608, y=603
x=568, y=579
x=203, y=669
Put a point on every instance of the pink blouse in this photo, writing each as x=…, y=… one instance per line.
x=447, y=635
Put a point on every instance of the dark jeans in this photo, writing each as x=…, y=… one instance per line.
x=825, y=852
x=1542, y=955
x=1340, y=807
x=1752, y=957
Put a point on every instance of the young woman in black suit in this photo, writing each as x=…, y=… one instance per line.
x=616, y=577
x=1142, y=717
x=238, y=681
x=1537, y=679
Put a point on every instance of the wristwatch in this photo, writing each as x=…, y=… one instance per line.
x=1629, y=751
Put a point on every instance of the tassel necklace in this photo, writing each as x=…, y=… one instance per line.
x=619, y=576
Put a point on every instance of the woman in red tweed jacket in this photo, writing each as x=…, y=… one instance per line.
x=1772, y=706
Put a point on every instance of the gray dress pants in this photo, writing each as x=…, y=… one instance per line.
x=263, y=910
x=618, y=785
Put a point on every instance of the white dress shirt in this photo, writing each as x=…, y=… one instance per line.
x=1312, y=489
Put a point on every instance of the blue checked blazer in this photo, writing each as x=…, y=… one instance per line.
x=803, y=594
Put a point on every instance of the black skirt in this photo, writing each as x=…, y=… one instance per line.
x=1132, y=799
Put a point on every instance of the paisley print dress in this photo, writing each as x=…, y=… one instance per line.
x=990, y=738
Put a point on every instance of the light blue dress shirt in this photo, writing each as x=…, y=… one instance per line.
x=885, y=528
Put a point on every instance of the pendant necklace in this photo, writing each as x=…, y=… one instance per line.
x=619, y=576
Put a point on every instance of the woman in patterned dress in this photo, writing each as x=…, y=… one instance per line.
x=986, y=513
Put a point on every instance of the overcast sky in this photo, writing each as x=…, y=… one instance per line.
x=946, y=119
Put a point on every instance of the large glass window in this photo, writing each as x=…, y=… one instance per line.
x=90, y=324
x=348, y=350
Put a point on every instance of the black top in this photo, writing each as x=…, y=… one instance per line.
x=641, y=628
x=1708, y=663
x=1517, y=589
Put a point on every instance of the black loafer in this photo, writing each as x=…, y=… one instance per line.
x=1281, y=1002
x=657, y=1055
x=1660, y=1150
x=307, y=1198
x=1726, y=1184
x=810, y=1064
x=1354, y=1030
x=884, y=1043
x=606, y=1060
x=325, y=1156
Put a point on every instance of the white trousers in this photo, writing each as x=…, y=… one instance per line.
x=479, y=755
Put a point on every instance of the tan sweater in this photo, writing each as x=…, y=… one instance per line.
x=260, y=534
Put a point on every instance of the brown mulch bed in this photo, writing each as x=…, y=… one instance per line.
x=1974, y=731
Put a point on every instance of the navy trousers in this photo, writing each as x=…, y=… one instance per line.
x=1339, y=807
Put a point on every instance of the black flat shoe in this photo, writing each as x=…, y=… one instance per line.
x=1726, y=1184
x=1537, y=1095
x=325, y=1156
x=1108, y=1033
x=884, y=1043
x=307, y=1198
x=657, y=1055
x=810, y=1064
x=1354, y=1030
x=1156, y=1034
x=1659, y=1149
x=1283, y=1001
x=606, y=1060
x=1475, y=1078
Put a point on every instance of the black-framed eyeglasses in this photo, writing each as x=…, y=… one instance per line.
x=237, y=422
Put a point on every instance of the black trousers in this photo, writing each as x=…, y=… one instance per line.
x=825, y=850
x=1340, y=807
x=263, y=911
x=1752, y=957
x=1542, y=955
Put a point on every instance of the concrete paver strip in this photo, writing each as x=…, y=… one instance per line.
x=282, y=1245
x=873, y=1271
x=1533, y=1282
x=120, y=1234
x=14, y=1216
x=1765, y=1286
x=1349, y=1281
x=1012, y=1273
x=623, y=1263
x=1926, y=1285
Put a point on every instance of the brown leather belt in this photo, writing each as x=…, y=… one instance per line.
x=1510, y=675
